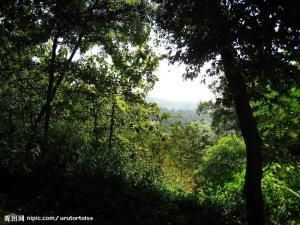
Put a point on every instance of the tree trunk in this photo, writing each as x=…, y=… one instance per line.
x=95, y=115
x=49, y=90
x=111, y=128
x=11, y=131
x=252, y=188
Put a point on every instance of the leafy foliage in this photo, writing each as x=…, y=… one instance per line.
x=221, y=161
x=77, y=136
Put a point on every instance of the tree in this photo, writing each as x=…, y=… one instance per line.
x=278, y=122
x=72, y=27
x=224, y=120
x=66, y=61
x=221, y=161
x=222, y=31
x=184, y=146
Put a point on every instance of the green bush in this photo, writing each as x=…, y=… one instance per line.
x=221, y=161
x=281, y=188
x=221, y=180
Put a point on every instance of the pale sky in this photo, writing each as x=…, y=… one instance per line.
x=172, y=87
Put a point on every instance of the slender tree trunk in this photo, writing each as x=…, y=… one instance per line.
x=30, y=108
x=181, y=166
x=95, y=115
x=50, y=90
x=11, y=140
x=252, y=188
x=46, y=108
x=22, y=106
x=111, y=128
x=22, y=103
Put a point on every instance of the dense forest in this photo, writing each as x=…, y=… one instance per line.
x=81, y=144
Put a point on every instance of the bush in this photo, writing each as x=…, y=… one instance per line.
x=221, y=161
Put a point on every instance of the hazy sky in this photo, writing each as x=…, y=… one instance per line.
x=172, y=87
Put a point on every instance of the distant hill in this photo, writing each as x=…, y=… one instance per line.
x=176, y=105
x=180, y=111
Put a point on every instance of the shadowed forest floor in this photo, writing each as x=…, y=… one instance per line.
x=109, y=200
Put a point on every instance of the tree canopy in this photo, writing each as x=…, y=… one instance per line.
x=81, y=141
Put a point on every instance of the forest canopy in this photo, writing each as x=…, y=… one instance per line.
x=79, y=137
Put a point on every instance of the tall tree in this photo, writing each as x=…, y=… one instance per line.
x=222, y=31
x=72, y=27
